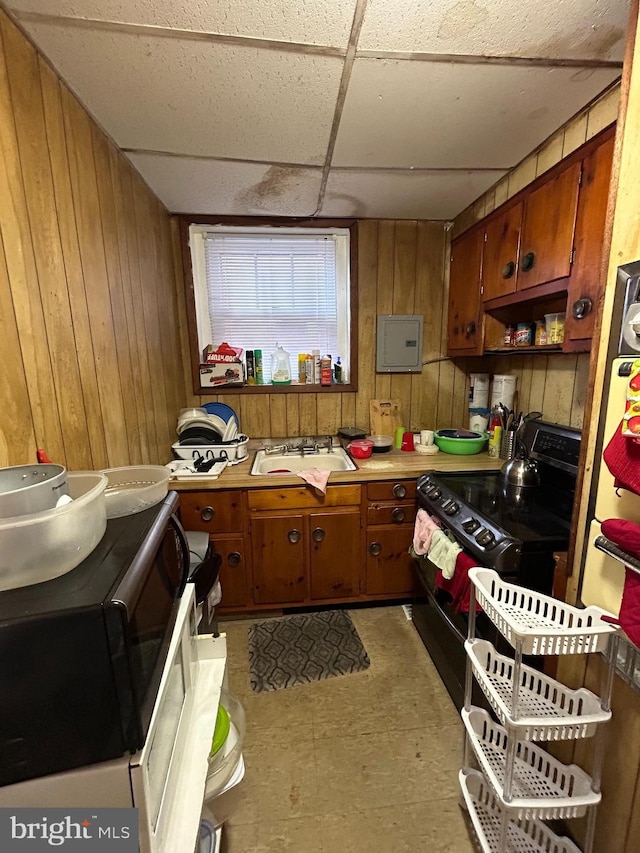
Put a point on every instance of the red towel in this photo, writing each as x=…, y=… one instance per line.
x=622, y=457
x=459, y=586
x=626, y=535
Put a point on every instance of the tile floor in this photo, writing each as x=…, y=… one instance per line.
x=354, y=764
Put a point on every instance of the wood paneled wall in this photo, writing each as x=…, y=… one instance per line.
x=89, y=341
x=402, y=268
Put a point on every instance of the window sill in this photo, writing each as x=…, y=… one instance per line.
x=346, y=388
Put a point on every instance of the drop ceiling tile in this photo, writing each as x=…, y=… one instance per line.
x=405, y=194
x=305, y=21
x=579, y=29
x=188, y=185
x=194, y=97
x=446, y=115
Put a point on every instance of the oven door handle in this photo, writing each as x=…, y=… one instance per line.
x=444, y=615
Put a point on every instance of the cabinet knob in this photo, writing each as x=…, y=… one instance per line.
x=294, y=536
x=234, y=558
x=470, y=329
x=207, y=513
x=399, y=491
x=508, y=270
x=528, y=262
x=375, y=549
x=398, y=515
x=318, y=534
x=581, y=307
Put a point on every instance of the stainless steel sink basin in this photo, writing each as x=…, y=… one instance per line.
x=290, y=463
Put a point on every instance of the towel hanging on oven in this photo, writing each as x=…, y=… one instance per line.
x=443, y=553
x=459, y=586
x=423, y=529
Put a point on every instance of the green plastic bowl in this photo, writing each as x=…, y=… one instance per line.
x=221, y=731
x=461, y=446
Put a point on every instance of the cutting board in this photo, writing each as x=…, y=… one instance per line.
x=384, y=416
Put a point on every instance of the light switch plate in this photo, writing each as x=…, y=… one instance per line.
x=399, y=343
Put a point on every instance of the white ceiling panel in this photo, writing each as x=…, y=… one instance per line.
x=446, y=115
x=305, y=21
x=187, y=185
x=195, y=97
x=579, y=29
x=404, y=195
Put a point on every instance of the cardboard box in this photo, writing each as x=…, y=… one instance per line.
x=221, y=373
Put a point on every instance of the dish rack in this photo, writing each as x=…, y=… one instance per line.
x=519, y=784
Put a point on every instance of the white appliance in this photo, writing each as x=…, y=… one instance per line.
x=602, y=575
x=166, y=779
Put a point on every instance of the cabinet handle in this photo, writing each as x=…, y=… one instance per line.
x=508, y=270
x=399, y=491
x=207, y=513
x=528, y=262
x=375, y=549
x=293, y=536
x=398, y=515
x=318, y=534
x=470, y=329
x=234, y=558
x=581, y=307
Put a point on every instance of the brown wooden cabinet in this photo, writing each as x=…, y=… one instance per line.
x=501, y=254
x=221, y=515
x=391, y=513
x=305, y=548
x=541, y=252
x=464, y=333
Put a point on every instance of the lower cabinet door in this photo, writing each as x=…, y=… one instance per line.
x=233, y=572
x=335, y=554
x=388, y=561
x=278, y=550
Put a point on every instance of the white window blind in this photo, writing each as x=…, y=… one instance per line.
x=258, y=288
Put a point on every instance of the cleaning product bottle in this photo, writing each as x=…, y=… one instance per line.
x=308, y=369
x=316, y=366
x=337, y=371
x=302, y=372
x=280, y=367
x=257, y=366
x=325, y=370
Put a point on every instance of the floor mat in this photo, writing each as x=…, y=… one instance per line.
x=302, y=648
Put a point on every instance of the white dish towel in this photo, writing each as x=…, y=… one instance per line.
x=443, y=553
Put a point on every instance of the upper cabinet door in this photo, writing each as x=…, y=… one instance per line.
x=588, y=279
x=547, y=231
x=464, y=292
x=500, y=257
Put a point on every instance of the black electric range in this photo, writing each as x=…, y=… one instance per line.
x=517, y=539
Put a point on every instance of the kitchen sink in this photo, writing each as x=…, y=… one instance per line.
x=292, y=462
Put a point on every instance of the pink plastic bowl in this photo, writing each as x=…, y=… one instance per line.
x=361, y=448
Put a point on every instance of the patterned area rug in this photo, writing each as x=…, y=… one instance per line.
x=302, y=648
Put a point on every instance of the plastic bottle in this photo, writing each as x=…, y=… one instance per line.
x=280, y=367
x=302, y=372
x=316, y=366
x=251, y=369
x=257, y=366
x=337, y=371
x=309, y=369
x=325, y=370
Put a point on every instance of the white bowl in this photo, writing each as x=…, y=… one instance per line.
x=211, y=421
x=38, y=547
x=191, y=413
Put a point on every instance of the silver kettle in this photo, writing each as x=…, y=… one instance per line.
x=520, y=476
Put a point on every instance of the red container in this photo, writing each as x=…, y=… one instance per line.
x=361, y=448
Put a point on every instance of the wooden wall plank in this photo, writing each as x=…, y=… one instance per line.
x=66, y=391
x=384, y=292
x=23, y=279
x=190, y=399
x=278, y=412
x=58, y=158
x=367, y=297
x=404, y=287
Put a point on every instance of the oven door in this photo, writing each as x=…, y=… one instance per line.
x=168, y=775
x=443, y=631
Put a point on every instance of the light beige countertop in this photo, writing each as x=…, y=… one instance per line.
x=380, y=466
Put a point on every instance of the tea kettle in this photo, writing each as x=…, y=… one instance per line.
x=520, y=475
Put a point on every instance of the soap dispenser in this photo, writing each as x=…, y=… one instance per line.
x=280, y=367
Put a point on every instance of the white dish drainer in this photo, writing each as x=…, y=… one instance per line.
x=519, y=783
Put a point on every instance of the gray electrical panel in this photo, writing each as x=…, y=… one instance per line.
x=399, y=343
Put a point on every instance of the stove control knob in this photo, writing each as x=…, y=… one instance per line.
x=435, y=493
x=452, y=508
x=471, y=525
x=485, y=538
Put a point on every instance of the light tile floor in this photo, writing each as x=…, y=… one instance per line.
x=359, y=763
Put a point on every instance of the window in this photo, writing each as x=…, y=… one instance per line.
x=256, y=287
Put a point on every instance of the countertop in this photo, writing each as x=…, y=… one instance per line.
x=382, y=466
